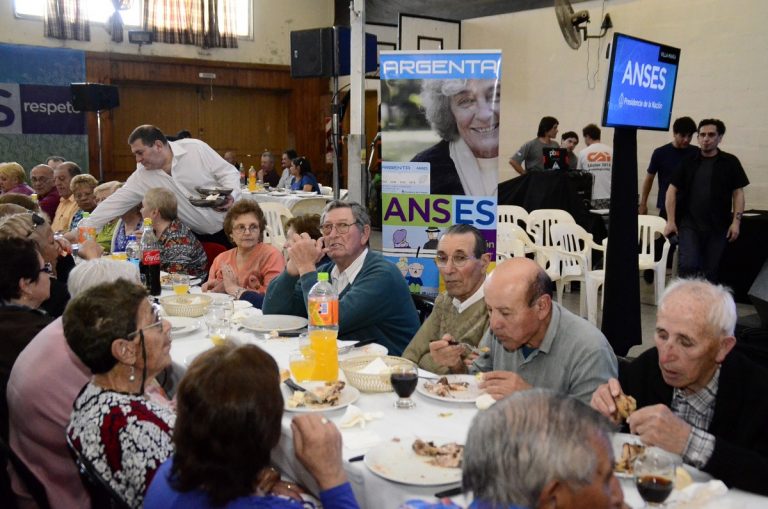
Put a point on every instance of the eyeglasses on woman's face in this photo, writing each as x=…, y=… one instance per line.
x=37, y=220
x=241, y=229
x=157, y=323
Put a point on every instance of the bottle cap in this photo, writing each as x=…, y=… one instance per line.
x=322, y=276
x=86, y=214
x=131, y=237
x=147, y=221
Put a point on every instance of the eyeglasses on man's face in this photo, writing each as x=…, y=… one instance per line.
x=241, y=229
x=458, y=259
x=341, y=228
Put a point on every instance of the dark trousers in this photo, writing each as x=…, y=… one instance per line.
x=219, y=238
x=700, y=252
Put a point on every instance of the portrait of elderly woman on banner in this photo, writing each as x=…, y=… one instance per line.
x=465, y=114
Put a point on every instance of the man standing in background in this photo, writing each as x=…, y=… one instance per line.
x=665, y=160
x=532, y=152
x=699, y=201
x=597, y=159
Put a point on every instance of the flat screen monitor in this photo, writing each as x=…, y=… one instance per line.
x=555, y=158
x=641, y=84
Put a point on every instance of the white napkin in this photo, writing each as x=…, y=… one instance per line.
x=375, y=367
x=359, y=439
x=484, y=401
x=698, y=493
x=356, y=417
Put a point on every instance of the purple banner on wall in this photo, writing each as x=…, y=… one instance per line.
x=48, y=110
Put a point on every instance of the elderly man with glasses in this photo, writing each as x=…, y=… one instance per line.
x=48, y=197
x=459, y=316
x=374, y=301
x=532, y=341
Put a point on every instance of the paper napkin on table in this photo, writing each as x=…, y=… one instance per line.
x=356, y=417
x=375, y=367
x=697, y=494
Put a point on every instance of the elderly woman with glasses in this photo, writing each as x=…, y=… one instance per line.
x=218, y=405
x=122, y=339
x=83, y=187
x=24, y=285
x=251, y=265
x=13, y=179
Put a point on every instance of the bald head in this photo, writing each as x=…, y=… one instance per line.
x=519, y=299
x=41, y=177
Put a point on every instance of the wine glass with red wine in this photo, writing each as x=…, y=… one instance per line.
x=404, y=379
x=655, y=475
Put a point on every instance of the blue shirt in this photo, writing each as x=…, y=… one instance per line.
x=306, y=179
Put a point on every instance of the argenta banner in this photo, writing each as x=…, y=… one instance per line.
x=440, y=151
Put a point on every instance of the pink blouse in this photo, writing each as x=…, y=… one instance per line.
x=264, y=264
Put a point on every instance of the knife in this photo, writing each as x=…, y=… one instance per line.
x=363, y=342
x=451, y=492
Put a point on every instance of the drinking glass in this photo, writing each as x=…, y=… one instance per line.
x=655, y=475
x=218, y=330
x=222, y=306
x=404, y=379
x=302, y=364
x=180, y=284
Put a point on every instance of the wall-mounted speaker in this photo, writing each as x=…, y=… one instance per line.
x=94, y=96
x=312, y=52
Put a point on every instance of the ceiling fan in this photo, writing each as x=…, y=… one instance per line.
x=571, y=23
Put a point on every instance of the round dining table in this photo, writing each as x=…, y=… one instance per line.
x=428, y=419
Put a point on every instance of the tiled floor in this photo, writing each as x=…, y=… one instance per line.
x=647, y=308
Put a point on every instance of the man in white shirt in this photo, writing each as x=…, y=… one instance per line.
x=597, y=159
x=179, y=166
x=285, y=163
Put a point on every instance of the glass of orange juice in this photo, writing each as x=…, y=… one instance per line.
x=180, y=284
x=302, y=365
x=218, y=331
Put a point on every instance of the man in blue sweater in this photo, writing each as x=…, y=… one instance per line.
x=374, y=301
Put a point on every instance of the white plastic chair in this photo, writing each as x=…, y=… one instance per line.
x=650, y=228
x=513, y=214
x=595, y=280
x=573, y=255
x=309, y=206
x=326, y=190
x=539, y=224
x=276, y=214
x=512, y=241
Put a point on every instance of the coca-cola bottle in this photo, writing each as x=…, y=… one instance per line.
x=149, y=263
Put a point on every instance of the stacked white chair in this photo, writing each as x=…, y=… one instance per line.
x=276, y=214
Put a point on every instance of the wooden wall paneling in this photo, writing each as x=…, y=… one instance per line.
x=371, y=128
x=310, y=104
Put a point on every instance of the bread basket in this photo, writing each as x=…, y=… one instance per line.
x=192, y=305
x=370, y=383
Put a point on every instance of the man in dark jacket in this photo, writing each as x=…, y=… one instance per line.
x=705, y=202
x=696, y=396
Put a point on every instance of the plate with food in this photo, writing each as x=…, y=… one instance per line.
x=166, y=280
x=207, y=191
x=277, y=323
x=451, y=388
x=212, y=200
x=319, y=397
x=182, y=325
x=421, y=461
x=626, y=448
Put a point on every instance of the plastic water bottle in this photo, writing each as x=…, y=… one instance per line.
x=149, y=263
x=323, y=306
x=133, y=250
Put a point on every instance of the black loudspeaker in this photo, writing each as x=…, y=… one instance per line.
x=94, y=96
x=758, y=294
x=312, y=53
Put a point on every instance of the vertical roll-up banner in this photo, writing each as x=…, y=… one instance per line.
x=440, y=151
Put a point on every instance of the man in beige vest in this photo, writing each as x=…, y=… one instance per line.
x=459, y=314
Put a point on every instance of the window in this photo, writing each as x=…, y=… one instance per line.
x=99, y=11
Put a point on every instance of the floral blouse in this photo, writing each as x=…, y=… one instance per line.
x=125, y=437
x=180, y=251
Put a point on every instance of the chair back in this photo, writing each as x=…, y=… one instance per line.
x=276, y=214
x=212, y=250
x=512, y=241
x=513, y=214
x=102, y=494
x=649, y=228
x=573, y=238
x=326, y=190
x=540, y=222
x=309, y=206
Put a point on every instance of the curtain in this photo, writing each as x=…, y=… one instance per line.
x=203, y=23
x=66, y=19
x=115, y=22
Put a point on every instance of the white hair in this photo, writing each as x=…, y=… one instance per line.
x=721, y=312
x=97, y=271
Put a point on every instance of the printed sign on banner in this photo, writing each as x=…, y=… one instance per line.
x=48, y=110
x=10, y=109
x=440, y=151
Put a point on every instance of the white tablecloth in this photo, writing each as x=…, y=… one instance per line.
x=429, y=418
x=289, y=200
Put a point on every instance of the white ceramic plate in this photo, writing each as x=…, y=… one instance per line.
x=278, y=193
x=370, y=349
x=468, y=396
x=279, y=323
x=619, y=439
x=244, y=314
x=181, y=325
x=348, y=396
x=305, y=193
x=396, y=461
x=241, y=304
